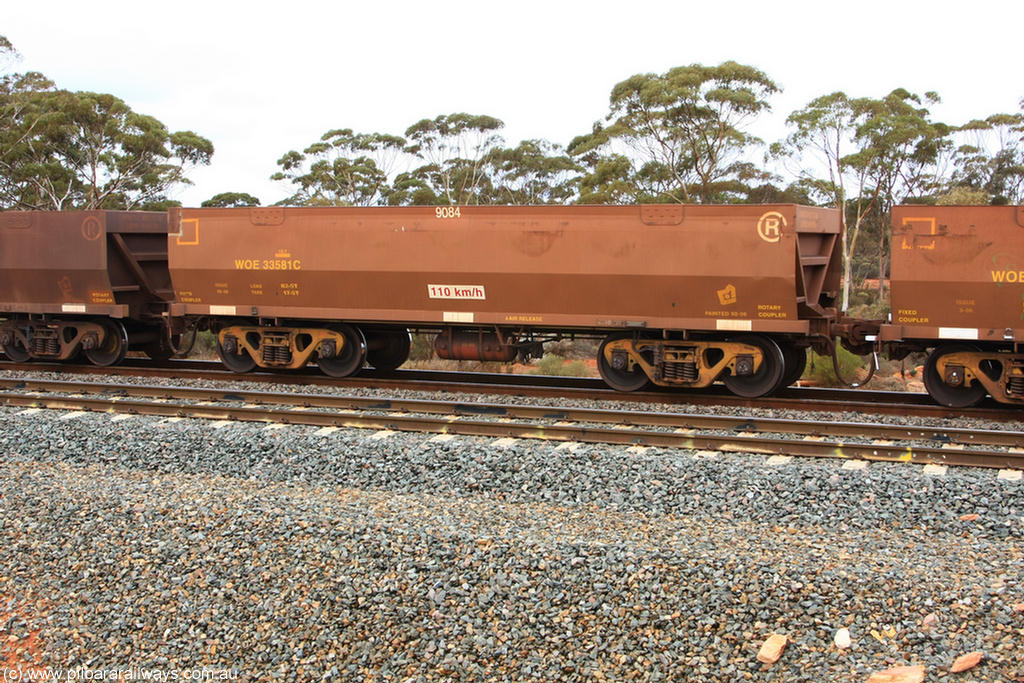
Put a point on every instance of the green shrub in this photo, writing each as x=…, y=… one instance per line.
x=820, y=369
x=205, y=346
x=872, y=310
x=422, y=347
x=553, y=364
x=576, y=349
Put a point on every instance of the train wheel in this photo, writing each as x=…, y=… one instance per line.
x=387, y=350
x=16, y=352
x=619, y=379
x=954, y=397
x=114, y=346
x=795, y=360
x=236, y=360
x=352, y=356
x=768, y=377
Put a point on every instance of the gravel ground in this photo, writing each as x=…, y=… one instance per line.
x=295, y=555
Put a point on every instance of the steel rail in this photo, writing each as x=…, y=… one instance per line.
x=753, y=425
x=794, y=398
x=739, y=443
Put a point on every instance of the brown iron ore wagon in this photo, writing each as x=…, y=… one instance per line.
x=679, y=295
x=958, y=290
x=83, y=281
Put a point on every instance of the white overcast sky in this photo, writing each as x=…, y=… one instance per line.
x=261, y=78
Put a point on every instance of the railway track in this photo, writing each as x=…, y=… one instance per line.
x=813, y=438
x=792, y=398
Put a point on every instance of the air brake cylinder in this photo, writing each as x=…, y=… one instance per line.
x=463, y=345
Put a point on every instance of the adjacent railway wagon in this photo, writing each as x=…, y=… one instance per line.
x=958, y=291
x=679, y=295
x=83, y=281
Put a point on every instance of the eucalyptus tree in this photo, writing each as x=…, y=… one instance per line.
x=863, y=155
x=343, y=168
x=901, y=147
x=822, y=140
x=534, y=172
x=25, y=160
x=684, y=133
x=454, y=151
x=81, y=150
x=989, y=164
x=229, y=200
x=8, y=55
x=124, y=159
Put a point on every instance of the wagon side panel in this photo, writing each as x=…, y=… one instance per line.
x=957, y=273
x=693, y=267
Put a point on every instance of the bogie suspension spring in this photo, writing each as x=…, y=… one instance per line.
x=276, y=354
x=685, y=371
x=45, y=343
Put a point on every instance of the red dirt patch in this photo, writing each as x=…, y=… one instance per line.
x=21, y=653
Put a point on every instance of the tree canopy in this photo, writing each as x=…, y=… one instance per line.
x=454, y=149
x=81, y=150
x=451, y=159
x=989, y=162
x=682, y=133
x=228, y=200
x=342, y=168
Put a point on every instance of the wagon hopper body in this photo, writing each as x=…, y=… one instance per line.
x=957, y=283
x=82, y=280
x=684, y=294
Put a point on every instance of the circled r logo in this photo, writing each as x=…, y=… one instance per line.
x=770, y=225
x=91, y=228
